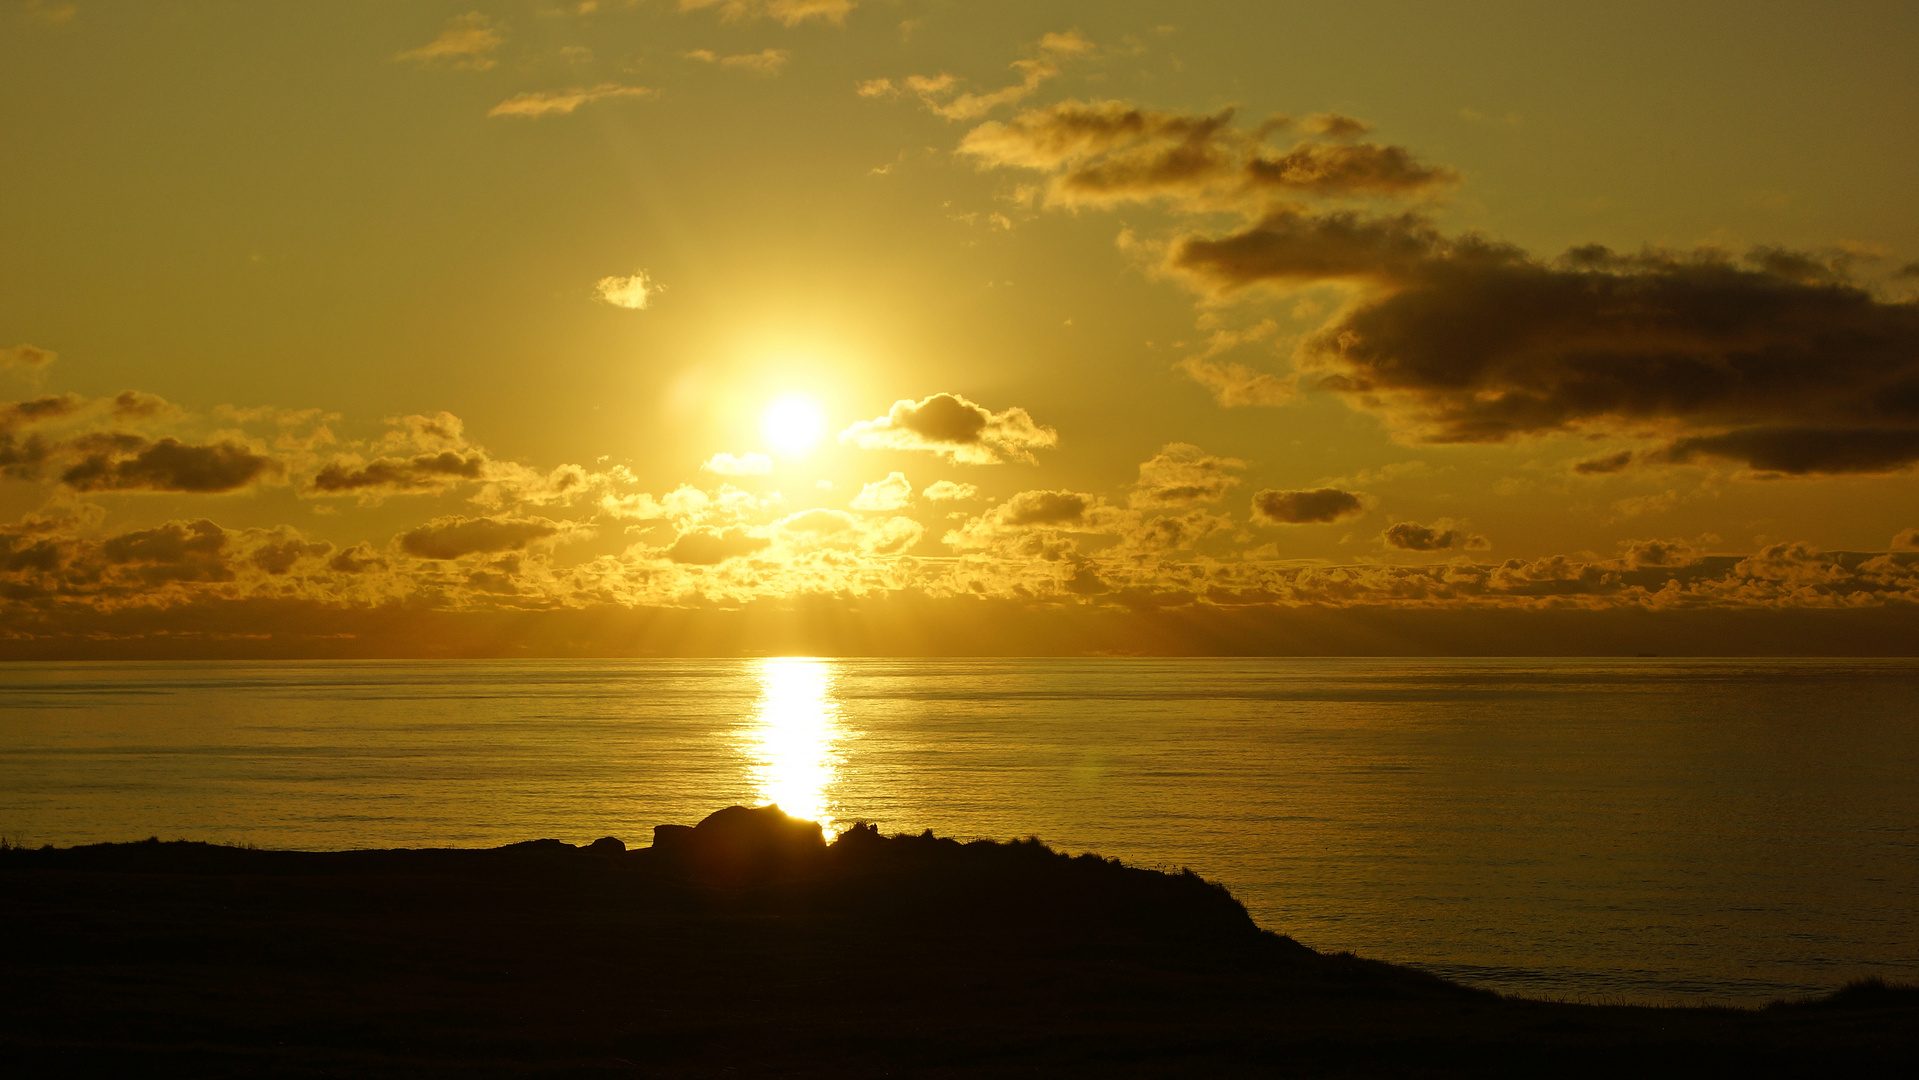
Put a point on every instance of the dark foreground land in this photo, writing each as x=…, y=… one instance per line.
x=748, y=947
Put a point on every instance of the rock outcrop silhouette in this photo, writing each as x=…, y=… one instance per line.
x=740, y=844
x=749, y=945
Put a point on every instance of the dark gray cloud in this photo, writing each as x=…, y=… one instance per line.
x=356, y=560
x=1412, y=536
x=454, y=537
x=1045, y=508
x=1309, y=507
x=278, y=556
x=419, y=473
x=957, y=429
x=711, y=547
x=1796, y=451
x=176, y=541
x=1775, y=361
x=132, y=463
x=178, y=551
x=1608, y=463
x=1107, y=152
x=19, y=414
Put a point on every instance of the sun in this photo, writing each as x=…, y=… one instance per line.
x=792, y=425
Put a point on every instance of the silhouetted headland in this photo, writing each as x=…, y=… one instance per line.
x=749, y=945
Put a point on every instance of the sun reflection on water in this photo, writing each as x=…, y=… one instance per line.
x=793, y=745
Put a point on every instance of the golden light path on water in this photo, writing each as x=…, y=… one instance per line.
x=793, y=745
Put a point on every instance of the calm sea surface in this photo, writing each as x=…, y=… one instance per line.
x=1650, y=830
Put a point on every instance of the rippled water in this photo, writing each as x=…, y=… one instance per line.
x=1641, y=829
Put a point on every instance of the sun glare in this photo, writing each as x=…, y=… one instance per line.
x=792, y=426
x=792, y=744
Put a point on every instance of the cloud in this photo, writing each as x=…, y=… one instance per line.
x=429, y=455
x=357, y=559
x=711, y=547
x=745, y=465
x=1103, y=153
x=1609, y=463
x=1412, y=536
x=1234, y=383
x=948, y=491
x=132, y=463
x=631, y=292
x=49, y=407
x=421, y=473
x=1182, y=474
x=939, y=93
x=174, y=542
x=955, y=428
x=535, y=104
x=892, y=493
x=27, y=357
x=784, y=12
x=1799, y=450
x=1334, y=126
x=1030, y=525
x=280, y=554
x=1050, y=54
x=1045, y=508
x=49, y=12
x=1312, y=507
x=1776, y=360
x=512, y=482
x=469, y=41
x=819, y=522
x=764, y=62
x=447, y=538
x=1292, y=248
x=1670, y=553
x=1773, y=361
x=1907, y=540
x=135, y=405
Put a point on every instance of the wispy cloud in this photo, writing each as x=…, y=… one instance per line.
x=764, y=62
x=784, y=12
x=535, y=104
x=469, y=41
x=941, y=94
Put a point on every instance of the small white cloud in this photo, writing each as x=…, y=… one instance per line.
x=948, y=491
x=892, y=493
x=745, y=465
x=630, y=292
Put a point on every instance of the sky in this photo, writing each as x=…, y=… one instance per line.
x=715, y=327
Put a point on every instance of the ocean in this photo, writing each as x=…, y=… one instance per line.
x=1671, y=831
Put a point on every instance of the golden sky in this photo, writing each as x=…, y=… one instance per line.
x=713, y=326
